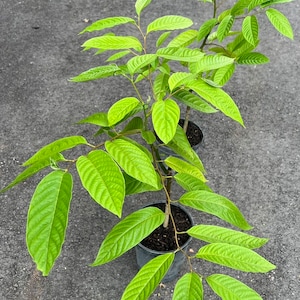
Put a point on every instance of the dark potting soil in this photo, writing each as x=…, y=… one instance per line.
x=193, y=133
x=163, y=239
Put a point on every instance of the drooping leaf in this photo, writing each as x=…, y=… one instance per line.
x=128, y=233
x=217, y=234
x=216, y=205
x=224, y=27
x=222, y=75
x=191, y=183
x=96, y=73
x=48, y=218
x=103, y=179
x=99, y=119
x=118, y=55
x=218, y=98
x=280, y=22
x=121, y=109
x=252, y=58
x=162, y=38
x=107, y=23
x=188, y=287
x=228, y=287
x=138, y=62
x=206, y=28
x=169, y=22
x=55, y=147
x=148, y=278
x=165, y=116
x=134, y=161
x=210, y=62
x=250, y=29
x=235, y=257
x=140, y=5
x=184, y=39
x=180, y=54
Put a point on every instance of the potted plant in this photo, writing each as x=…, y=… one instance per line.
x=188, y=67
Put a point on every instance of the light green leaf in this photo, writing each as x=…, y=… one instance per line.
x=217, y=234
x=170, y=22
x=239, y=7
x=97, y=73
x=188, y=287
x=165, y=117
x=120, y=109
x=216, y=205
x=222, y=75
x=134, y=161
x=138, y=62
x=218, y=98
x=48, y=219
x=252, y=58
x=235, y=257
x=191, y=183
x=254, y=3
x=148, y=278
x=240, y=46
x=193, y=101
x=160, y=86
x=180, y=78
x=55, y=147
x=181, y=166
x=180, y=54
x=280, y=22
x=135, y=124
x=113, y=43
x=107, y=23
x=273, y=2
x=224, y=27
x=103, y=179
x=250, y=29
x=99, y=119
x=229, y=288
x=128, y=233
x=140, y=5
x=206, y=28
x=184, y=39
x=148, y=137
x=162, y=38
x=210, y=62
x=118, y=55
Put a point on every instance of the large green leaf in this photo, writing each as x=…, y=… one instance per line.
x=140, y=5
x=121, y=109
x=170, y=22
x=224, y=27
x=180, y=54
x=254, y=3
x=134, y=161
x=48, y=218
x=184, y=39
x=218, y=98
x=180, y=78
x=216, y=205
x=148, y=278
x=191, y=183
x=210, y=62
x=55, y=147
x=99, y=119
x=235, y=257
x=128, y=233
x=250, y=29
x=222, y=75
x=253, y=58
x=188, y=287
x=229, y=288
x=138, y=62
x=217, y=234
x=160, y=86
x=273, y=2
x=103, y=179
x=165, y=116
x=280, y=22
x=113, y=43
x=206, y=28
x=96, y=73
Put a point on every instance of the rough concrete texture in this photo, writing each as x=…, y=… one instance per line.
x=257, y=167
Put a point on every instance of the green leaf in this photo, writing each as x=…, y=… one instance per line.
x=273, y=2
x=184, y=39
x=170, y=22
x=224, y=27
x=239, y=7
x=140, y=5
x=210, y=62
x=188, y=287
x=48, y=218
x=222, y=75
x=180, y=54
x=217, y=234
x=193, y=101
x=216, y=205
x=103, y=179
x=240, y=46
x=135, y=124
x=118, y=55
x=134, y=161
x=33, y=169
x=181, y=166
x=128, y=233
x=120, y=109
x=179, y=78
x=138, y=62
x=96, y=73
x=148, y=137
x=250, y=29
x=218, y=98
x=253, y=58
x=235, y=257
x=162, y=38
x=55, y=147
x=113, y=43
x=191, y=183
x=229, y=288
x=148, y=278
x=165, y=116
x=160, y=86
x=254, y=3
x=280, y=22
x=107, y=23
x=206, y=28
x=99, y=119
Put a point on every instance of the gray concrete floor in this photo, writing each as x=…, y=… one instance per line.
x=257, y=167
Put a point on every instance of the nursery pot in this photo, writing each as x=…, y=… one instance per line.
x=157, y=242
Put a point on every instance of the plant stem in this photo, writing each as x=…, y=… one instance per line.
x=186, y=118
x=168, y=198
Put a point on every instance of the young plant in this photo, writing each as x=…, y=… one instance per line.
x=190, y=70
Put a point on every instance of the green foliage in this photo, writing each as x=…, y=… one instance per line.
x=169, y=23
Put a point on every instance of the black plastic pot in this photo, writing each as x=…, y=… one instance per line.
x=145, y=254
